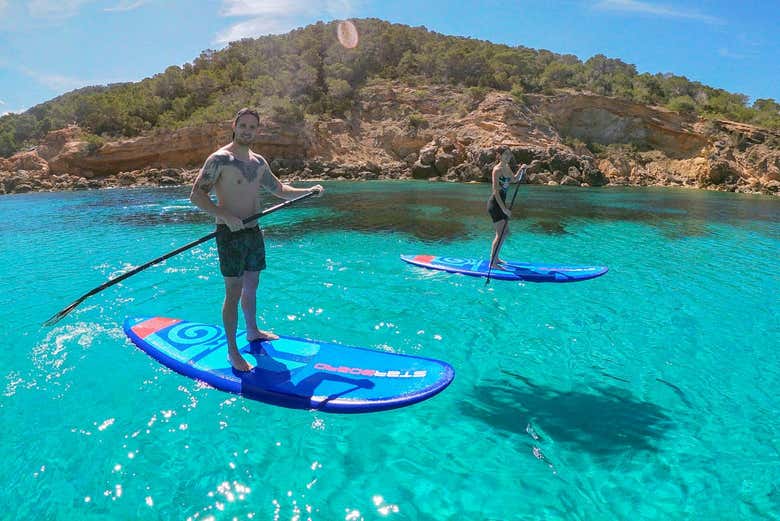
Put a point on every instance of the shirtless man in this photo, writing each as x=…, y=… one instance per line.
x=237, y=174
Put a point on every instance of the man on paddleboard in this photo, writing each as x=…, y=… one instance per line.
x=237, y=174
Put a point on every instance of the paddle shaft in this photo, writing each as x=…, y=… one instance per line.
x=58, y=316
x=503, y=228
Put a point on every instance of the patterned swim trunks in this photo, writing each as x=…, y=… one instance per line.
x=240, y=251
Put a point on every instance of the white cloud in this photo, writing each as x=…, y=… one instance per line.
x=635, y=6
x=58, y=10
x=126, y=5
x=255, y=27
x=55, y=8
x=266, y=7
x=56, y=82
x=726, y=53
x=278, y=16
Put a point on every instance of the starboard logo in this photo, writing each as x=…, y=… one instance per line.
x=370, y=372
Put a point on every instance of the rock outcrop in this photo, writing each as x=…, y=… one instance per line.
x=439, y=133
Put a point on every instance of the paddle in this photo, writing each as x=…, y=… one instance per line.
x=58, y=316
x=506, y=222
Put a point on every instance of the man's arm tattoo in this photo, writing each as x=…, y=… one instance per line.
x=269, y=181
x=208, y=175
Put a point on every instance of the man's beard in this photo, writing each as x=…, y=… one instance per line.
x=243, y=141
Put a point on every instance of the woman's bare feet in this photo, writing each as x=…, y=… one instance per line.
x=259, y=334
x=499, y=264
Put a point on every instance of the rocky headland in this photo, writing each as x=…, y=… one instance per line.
x=438, y=133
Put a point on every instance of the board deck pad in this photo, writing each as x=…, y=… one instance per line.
x=292, y=372
x=532, y=272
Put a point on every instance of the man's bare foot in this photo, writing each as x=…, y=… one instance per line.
x=259, y=334
x=238, y=362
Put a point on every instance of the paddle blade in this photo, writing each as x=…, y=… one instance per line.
x=62, y=314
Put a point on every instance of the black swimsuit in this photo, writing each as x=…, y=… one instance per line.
x=495, y=211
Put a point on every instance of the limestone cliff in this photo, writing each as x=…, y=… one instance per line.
x=436, y=132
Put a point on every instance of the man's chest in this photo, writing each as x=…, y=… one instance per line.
x=245, y=174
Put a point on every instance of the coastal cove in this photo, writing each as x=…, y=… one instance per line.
x=488, y=261
x=620, y=396
x=406, y=102
x=438, y=133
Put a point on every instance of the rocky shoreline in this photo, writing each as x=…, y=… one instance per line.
x=439, y=134
x=560, y=169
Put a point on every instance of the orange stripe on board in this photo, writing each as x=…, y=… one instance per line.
x=424, y=258
x=153, y=325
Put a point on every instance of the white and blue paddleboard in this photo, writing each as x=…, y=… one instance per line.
x=531, y=272
x=292, y=372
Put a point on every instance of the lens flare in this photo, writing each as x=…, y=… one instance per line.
x=347, y=34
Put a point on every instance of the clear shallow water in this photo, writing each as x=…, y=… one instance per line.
x=648, y=393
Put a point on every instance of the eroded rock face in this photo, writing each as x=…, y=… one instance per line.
x=28, y=160
x=597, y=119
x=182, y=148
x=437, y=133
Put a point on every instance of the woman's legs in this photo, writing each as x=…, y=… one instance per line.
x=502, y=230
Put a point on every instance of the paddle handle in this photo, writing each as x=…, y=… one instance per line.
x=279, y=206
x=514, y=196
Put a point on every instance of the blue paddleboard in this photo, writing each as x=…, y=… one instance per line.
x=531, y=272
x=292, y=372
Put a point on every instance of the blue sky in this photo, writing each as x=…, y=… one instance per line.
x=49, y=47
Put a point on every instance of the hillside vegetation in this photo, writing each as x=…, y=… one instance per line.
x=307, y=73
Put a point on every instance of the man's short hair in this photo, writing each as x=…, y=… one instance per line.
x=245, y=111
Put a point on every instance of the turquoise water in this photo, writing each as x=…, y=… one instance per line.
x=649, y=393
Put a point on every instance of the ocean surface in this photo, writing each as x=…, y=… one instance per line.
x=649, y=393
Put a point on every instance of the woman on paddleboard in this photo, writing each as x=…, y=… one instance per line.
x=496, y=206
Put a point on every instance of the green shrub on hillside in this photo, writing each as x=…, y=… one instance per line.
x=93, y=143
x=313, y=74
